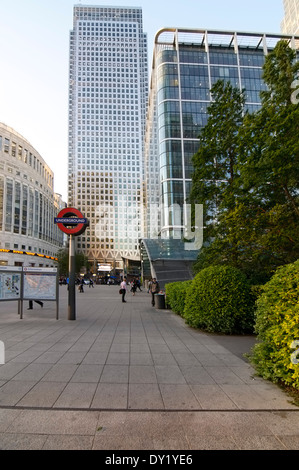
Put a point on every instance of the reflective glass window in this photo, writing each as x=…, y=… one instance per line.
x=173, y=193
x=193, y=55
x=195, y=82
x=190, y=149
x=223, y=57
x=31, y=212
x=17, y=207
x=225, y=73
x=24, y=210
x=167, y=56
x=253, y=83
x=8, y=211
x=171, y=159
x=194, y=118
x=36, y=213
x=1, y=200
x=169, y=120
x=168, y=82
x=251, y=58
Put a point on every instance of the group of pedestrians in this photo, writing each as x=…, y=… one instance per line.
x=153, y=288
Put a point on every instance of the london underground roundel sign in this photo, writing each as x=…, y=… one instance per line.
x=71, y=221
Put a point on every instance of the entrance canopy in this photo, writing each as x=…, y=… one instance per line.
x=168, y=260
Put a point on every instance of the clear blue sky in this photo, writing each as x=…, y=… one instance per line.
x=34, y=51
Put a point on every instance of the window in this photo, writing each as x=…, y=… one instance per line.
x=9, y=207
x=13, y=149
x=6, y=145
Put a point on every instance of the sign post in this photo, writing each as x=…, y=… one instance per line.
x=72, y=287
x=73, y=223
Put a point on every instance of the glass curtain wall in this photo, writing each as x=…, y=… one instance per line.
x=183, y=73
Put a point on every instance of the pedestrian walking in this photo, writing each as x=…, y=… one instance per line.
x=37, y=301
x=154, y=289
x=138, y=284
x=123, y=287
x=133, y=286
x=81, y=289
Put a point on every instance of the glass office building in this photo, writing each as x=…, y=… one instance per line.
x=186, y=64
x=290, y=22
x=107, y=109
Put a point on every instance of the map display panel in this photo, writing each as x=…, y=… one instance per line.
x=40, y=283
x=10, y=283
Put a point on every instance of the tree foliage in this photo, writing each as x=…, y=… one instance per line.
x=268, y=140
x=81, y=261
x=215, y=162
x=176, y=294
x=220, y=300
x=277, y=326
x=255, y=227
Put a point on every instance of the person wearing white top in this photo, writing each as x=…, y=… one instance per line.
x=123, y=287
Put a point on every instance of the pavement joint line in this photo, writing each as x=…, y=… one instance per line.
x=154, y=410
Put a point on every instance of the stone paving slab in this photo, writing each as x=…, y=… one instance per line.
x=133, y=347
x=129, y=376
x=159, y=430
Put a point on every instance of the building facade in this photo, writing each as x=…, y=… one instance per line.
x=28, y=205
x=107, y=109
x=186, y=64
x=290, y=22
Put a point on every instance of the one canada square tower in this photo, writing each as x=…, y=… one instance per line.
x=108, y=92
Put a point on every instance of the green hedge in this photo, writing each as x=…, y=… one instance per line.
x=277, y=325
x=220, y=301
x=176, y=295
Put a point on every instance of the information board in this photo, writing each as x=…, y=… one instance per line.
x=10, y=282
x=40, y=283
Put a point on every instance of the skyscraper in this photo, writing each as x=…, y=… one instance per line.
x=290, y=22
x=107, y=109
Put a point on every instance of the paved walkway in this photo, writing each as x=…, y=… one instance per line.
x=129, y=376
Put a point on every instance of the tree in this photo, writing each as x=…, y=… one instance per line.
x=269, y=163
x=253, y=240
x=214, y=177
x=269, y=144
x=63, y=262
x=257, y=227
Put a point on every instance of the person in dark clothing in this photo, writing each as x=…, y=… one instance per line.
x=81, y=286
x=31, y=304
x=133, y=286
x=154, y=289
